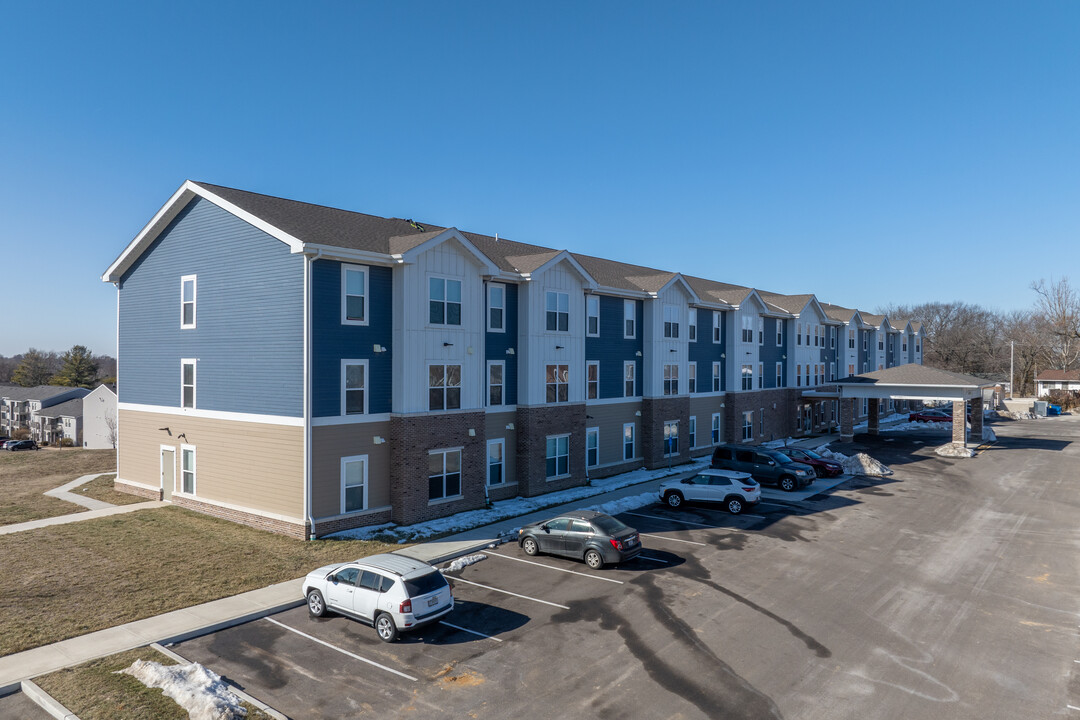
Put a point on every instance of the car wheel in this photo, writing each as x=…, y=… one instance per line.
x=673, y=499
x=734, y=506
x=386, y=628
x=787, y=484
x=530, y=547
x=594, y=559
x=315, y=603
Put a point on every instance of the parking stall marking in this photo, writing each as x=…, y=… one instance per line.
x=552, y=567
x=646, y=557
x=462, y=629
x=661, y=537
x=342, y=651
x=507, y=592
x=684, y=522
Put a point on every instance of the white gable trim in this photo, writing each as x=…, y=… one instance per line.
x=451, y=233
x=564, y=255
x=680, y=280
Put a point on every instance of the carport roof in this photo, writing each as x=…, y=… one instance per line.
x=915, y=374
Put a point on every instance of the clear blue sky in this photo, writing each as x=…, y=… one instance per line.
x=871, y=153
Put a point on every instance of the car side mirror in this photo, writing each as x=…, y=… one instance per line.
x=687, y=481
x=333, y=579
x=772, y=462
x=545, y=528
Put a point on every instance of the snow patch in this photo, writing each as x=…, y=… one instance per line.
x=988, y=435
x=858, y=464
x=631, y=502
x=195, y=688
x=464, y=562
x=954, y=450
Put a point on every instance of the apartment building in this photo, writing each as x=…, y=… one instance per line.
x=20, y=408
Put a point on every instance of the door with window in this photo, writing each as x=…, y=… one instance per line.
x=168, y=472
x=575, y=539
x=342, y=587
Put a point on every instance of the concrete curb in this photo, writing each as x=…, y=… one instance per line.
x=231, y=622
x=46, y=701
x=232, y=688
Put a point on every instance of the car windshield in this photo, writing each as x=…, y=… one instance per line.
x=812, y=454
x=425, y=584
x=781, y=458
x=608, y=525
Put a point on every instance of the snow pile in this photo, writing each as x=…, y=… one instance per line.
x=463, y=562
x=858, y=464
x=198, y=690
x=899, y=427
x=631, y=502
x=954, y=450
x=988, y=434
x=1013, y=415
x=778, y=443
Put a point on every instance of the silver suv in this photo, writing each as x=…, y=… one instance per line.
x=391, y=592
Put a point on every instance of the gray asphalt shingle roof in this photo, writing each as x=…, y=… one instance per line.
x=68, y=408
x=38, y=392
x=915, y=374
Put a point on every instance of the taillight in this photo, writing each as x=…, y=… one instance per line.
x=749, y=489
x=617, y=544
x=405, y=607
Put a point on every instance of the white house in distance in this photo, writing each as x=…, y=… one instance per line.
x=1049, y=380
x=99, y=419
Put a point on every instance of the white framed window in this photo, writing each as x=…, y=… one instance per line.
x=832, y=337
x=628, y=433
x=592, y=379
x=354, y=374
x=691, y=377
x=761, y=331
x=865, y=337
x=917, y=350
x=716, y=377
x=798, y=375
x=691, y=433
x=354, y=472
x=761, y=422
x=779, y=375
x=444, y=474
x=187, y=301
x=691, y=326
x=671, y=321
x=187, y=383
x=557, y=383
x=187, y=469
x=592, y=447
x=760, y=375
x=496, y=369
x=444, y=387
x=903, y=345
x=592, y=315
x=629, y=319
x=557, y=306
x=496, y=452
x=851, y=369
x=747, y=377
x=748, y=425
x=798, y=334
x=629, y=378
x=444, y=301
x=808, y=375
x=557, y=457
x=671, y=379
x=747, y=329
x=671, y=438
x=354, y=292
x=780, y=332
x=832, y=371
x=851, y=339
x=715, y=430
x=496, y=307
x=717, y=335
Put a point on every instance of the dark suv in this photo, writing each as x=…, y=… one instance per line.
x=22, y=445
x=767, y=466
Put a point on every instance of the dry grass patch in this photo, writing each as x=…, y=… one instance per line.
x=25, y=475
x=69, y=580
x=94, y=691
x=101, y=488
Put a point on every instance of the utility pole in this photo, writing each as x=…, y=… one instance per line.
x=1012, y=345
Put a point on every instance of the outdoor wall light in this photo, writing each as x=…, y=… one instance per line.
x=637, y=414
x=723, y=356
x=638, y=353
x=509, y=426
x=472, y=432
x=378, y=440
x=379, y=348
x=509, y=351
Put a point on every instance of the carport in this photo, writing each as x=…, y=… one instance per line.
x=915, y=382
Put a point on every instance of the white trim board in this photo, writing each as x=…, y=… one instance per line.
x=212, y=414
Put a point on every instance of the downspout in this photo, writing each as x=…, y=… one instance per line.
x=307, y=397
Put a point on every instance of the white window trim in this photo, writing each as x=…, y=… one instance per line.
x=717, y=327
x=445, y=387
x=677, y=435
x=628, y=363
x=747, y=421
x=691, y=325
x=557, y=456
x=194, y=383
x=588, y=299
x=779, y=374
x=367, y=384
x=444, y=301
x=633, y=441
x=161, y=466
x=670, y=375
x=595, y=431
x=691, y=433
x=194, y=301
x=491, y=286
x=461, y=471
x=588, y=364
x=717, y=425
x=716, y=380
x=501, y=363
x=344, y=461
x=194, y=471
x=557, y=311
x=344, y=294
x=502, y=464
x=557, y=383
x=691, y=377
x=632, y=306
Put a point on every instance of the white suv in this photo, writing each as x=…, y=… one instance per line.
x=735, y=490
x=391, y=592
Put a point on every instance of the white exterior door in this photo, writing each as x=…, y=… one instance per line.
x=168, y=472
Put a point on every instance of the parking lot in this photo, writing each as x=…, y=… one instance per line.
x=946, y=590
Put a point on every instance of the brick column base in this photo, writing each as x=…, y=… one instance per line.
x=977, y=420
x=847, y=419
x=959, y=429
x=872, y=422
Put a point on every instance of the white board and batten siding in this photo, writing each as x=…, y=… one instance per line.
x=666, y=350
x=743, y=353
x=540, y=347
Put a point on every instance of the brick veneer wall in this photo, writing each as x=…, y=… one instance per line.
x=534, y=424
x=123, y=487
x=780, y=422
x=411, y=437
x=654, y=413
x=281, y=527
x=325, y=527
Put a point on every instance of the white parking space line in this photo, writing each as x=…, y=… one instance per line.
x=507, y=592
x=646, y=557
x=684, y=522
x=343, y=652
x=458, y=627
x=552, y=567
x=661, y=537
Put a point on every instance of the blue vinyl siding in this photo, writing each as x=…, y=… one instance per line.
x=611, y=349
x=248, y=339
x=333, y=342
x=497, y=343
x=704, y=352
x=770, y=353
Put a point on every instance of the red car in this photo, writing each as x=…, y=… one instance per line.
x=823, y=467
x=930, y=416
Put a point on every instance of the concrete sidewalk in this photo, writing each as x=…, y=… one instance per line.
x=64, y=493
x=80, y=516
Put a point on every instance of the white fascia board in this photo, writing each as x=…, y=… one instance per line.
x=822, y=315
x=605, y=290
x=481, y=259
x=364, y=257
x=287, y=420
x=590, y=281
x=679, y=279
x=763, y=307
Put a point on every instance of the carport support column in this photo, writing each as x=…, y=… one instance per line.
x=847, y=419
x=872, y=421
x=958, y=425
x=977, y=420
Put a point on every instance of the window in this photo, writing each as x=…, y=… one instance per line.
x=917, y=346
x=353, y=483
x=851, y=339
x=671, y=321
x=851, y=369
x=748, y=425
x=691, y=377
x=496, y=307
x=798, y=334
x=354, y=291
x=592, y=379
x=798, y=375
x=747, y=329
x=592, y=315
x=761, y=422
x=444, y=474
x=187, y=383
x=558, y=456
x=716, y=334
x=629, y=379
x=716, y=429
x=629, y=319
x=760, y=375
x=496, y=449
x=761, y=331
x=187, y=302
x=691, y=326
x=716, y=377
x=832, y=371
x=865, y=336
x=808, y=375
x=444, y=387
x=444, y=301
x=628, y=441
x=671, y=438
x=558, y=311
x=592, y=447
x=779, y=333
x=557, y=381
x=832, y=337
x=691, y=432
x=353, y=387
x=671, y=379
x=495, y=382
x=903, y=345
x=779, y=375
x=880, y=343
x=747, y=377
x=187, y=469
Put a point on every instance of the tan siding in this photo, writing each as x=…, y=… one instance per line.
x=251, y=465
x=703, y=409
x=610, y=418
x=329, y=444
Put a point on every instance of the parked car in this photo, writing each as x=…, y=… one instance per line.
x=21, y=445
x=585, y=535
x=735, y=490
x=930, y=416
x=823, y=466
x=767, y=466
x=391, y=592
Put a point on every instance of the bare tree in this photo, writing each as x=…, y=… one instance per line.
x=111, y=435
x=1059, y=307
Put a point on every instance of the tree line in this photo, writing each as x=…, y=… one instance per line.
x=77, y=367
